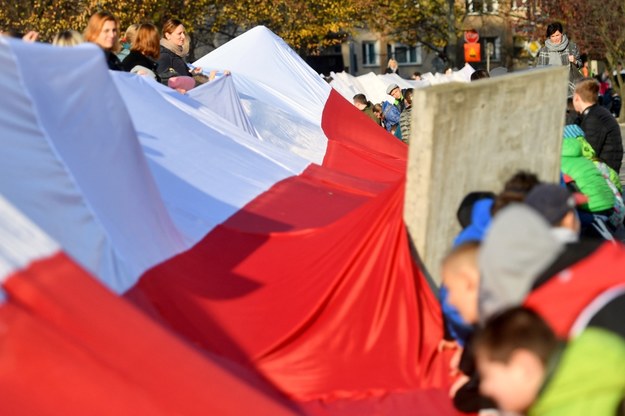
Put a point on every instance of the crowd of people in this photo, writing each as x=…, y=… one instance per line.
x=532, y=293
x=142, y=50
x=395, y=117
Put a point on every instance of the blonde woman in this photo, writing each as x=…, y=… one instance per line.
x=126, y=41
x=67, y=38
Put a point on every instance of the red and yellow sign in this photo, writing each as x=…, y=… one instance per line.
x=472, y=52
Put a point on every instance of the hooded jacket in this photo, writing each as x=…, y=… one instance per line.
x=588, y=378
x=518, y=246
x=390, y=114
x=587, y=176
x=480, y=220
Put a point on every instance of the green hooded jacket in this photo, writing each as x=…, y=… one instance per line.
x=588, y=380
x=587, y=176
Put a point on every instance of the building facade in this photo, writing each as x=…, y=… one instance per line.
x=502, y=40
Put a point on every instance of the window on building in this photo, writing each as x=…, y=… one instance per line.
x=483, y=6
x=369, y=54
x=519, y=4
x=409, y=55
x=496, y=48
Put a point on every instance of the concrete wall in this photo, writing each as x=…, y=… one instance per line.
x=469, y=137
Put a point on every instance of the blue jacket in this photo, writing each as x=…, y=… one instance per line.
x=480, y=220
x=391, y=115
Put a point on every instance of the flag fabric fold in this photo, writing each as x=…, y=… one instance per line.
x=259, y=219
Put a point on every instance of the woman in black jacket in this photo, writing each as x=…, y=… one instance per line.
x=144, y=51
x=174, y=49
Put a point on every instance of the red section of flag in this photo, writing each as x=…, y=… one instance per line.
x=313, y=282
x=68, y=346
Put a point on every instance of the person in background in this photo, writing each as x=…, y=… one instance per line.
x=479, y=74
x=559, y=51
x=129, y=37
x=394, y=91
x=515, y=189
x=416, y=76
x=585, y=70
x=174, y=49
x=601, y=129
x=144, y=52
x=405, y=119
x=392, y=67
x=361, y=103
x=527, y=370
x=388, y=115
x=102, y=29
x=557, y=205
x=30, y=36
x=67, y=38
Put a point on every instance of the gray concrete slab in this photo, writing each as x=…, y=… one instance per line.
x=468, y=137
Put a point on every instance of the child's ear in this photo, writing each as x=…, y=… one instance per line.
x=471, y=276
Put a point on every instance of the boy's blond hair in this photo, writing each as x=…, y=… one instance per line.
x=588, y=90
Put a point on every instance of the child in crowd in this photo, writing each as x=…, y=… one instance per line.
x=461, y=278
x=526, y=370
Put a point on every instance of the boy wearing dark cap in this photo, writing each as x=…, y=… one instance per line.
x=394, y=91
x=558, y=206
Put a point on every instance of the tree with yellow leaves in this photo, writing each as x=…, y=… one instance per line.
x=51, y=17
x=306, y=26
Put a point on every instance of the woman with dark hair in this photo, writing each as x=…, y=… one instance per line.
x=558, y=51
x=102, y=29
x=144, y=51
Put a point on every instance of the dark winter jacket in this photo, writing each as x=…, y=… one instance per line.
x=170, y=59
x=405, y=120
x=368, y=110
x=112, y=61
x=135, y=58
x=604, y=135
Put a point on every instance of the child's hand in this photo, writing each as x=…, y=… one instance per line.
x=31, y=36
x=454, y=363
x=445, y=345
x=460, y=381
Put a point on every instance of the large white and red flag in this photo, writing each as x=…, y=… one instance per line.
x=259, y=218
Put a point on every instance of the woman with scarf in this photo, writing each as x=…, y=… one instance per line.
x=559, y=50
x=174, y=48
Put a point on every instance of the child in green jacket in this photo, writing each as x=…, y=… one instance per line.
x=525, y=369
